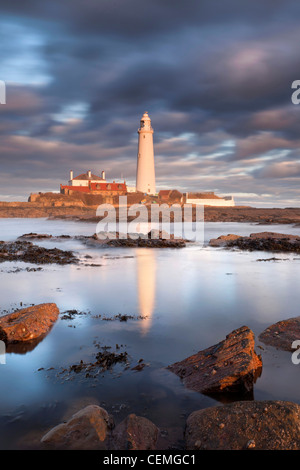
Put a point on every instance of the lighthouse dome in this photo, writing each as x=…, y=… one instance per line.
x=145, y=117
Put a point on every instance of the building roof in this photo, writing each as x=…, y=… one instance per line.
x=84, y=176
x=203, y=196
x=98, y=187
x=164, y=192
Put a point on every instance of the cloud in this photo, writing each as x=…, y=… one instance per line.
x=280, y=170
x=261, y=144
x=215, y=77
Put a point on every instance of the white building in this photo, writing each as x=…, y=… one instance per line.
x=86, y=178
x=131, y=189
x=208, y=199
x=145, y=174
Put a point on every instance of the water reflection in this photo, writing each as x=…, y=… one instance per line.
x=24, y=347
x=146, y=274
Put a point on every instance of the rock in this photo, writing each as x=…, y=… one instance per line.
x=263, y=241
x=76, y=404
x=28, y=323
x=33, y=235
x=223, y=240
x=229, y=366
x=148, y=243
x=26, y=251
x=269, y=235
x=135, y=433
x=282, y=334
x=87, y=430
x=141, y=240
x=158, y=234
x=260, y=425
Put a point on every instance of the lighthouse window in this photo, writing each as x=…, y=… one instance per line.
x=144, y=136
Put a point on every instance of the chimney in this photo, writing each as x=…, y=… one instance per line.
x=89, y=173
x=103, y=175
x=71, y=175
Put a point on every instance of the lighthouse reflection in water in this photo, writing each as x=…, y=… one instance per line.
x=146, y=283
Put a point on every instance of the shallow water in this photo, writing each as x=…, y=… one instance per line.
x=191, y=298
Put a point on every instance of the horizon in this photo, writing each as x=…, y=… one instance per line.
x=216, y=80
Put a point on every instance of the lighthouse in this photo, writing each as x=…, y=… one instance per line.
x=145, y=173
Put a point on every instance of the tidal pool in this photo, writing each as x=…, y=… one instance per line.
x=181, y=301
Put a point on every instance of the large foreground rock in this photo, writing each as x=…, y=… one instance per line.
x=135, y=433
x=229, y=366
x=282, y=334
x=87, y=430
x=28, y=323
x=262, y=425
x=92, y=429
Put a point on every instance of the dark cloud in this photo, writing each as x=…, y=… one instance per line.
x=284, y=169
x=215, y=77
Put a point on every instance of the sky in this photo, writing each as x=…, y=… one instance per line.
x=215, y=77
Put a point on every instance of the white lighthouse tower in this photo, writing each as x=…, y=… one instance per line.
x=145, y=173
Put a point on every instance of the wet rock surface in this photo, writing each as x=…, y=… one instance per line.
x=263, y=241
x=282, y=334
x=29, y=323
x=223, y=240
x=88, y=429
x=153, y=239
x=260, y=425
x=231, y=366
x=44, y=236
x=92, y=428
x=135, y=433
x=30, y=253
x=34, y=236
x=144, y=243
